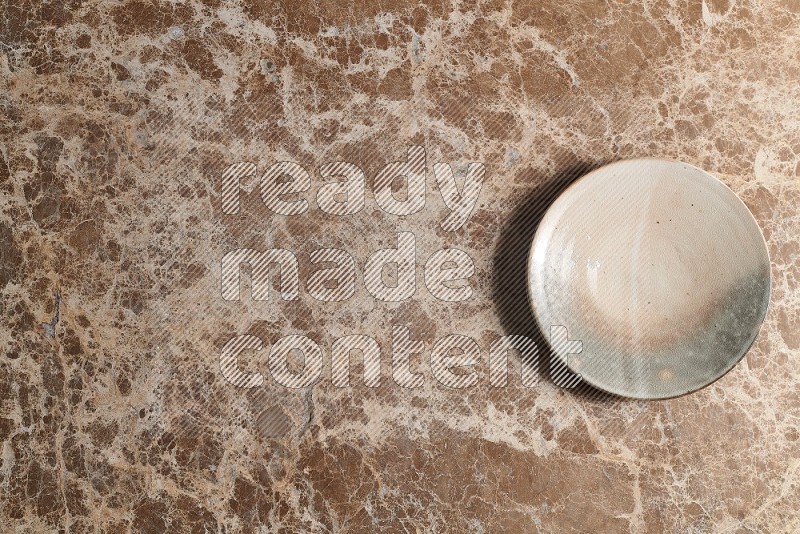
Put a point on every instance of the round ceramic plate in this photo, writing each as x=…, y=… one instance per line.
x=658, y=269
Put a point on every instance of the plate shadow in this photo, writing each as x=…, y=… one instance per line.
x=510, y=286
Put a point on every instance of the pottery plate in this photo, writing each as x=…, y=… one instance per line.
x=658, y=269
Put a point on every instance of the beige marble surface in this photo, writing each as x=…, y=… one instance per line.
x=118, y=119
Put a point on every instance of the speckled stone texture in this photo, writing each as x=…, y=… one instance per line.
x=118, y=119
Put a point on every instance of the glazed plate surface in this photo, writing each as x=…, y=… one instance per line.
x=658, y=269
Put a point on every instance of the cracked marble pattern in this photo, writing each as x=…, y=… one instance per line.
x=117, y=119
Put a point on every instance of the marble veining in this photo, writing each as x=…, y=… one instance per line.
x=117, y=120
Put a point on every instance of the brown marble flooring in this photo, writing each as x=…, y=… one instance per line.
x=117, y=121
